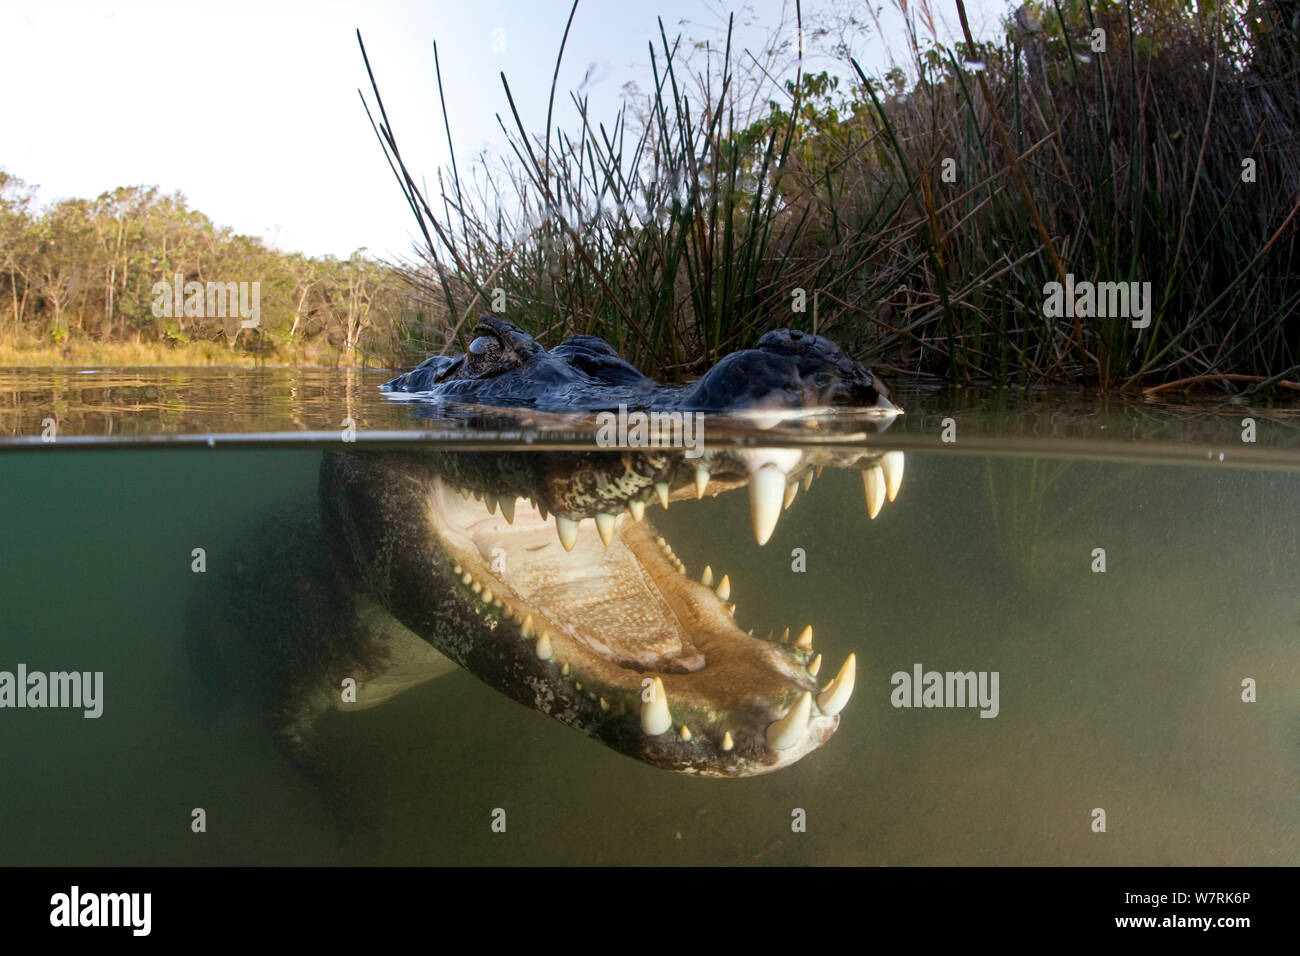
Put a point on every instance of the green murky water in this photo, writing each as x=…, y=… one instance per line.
x=1119, y=690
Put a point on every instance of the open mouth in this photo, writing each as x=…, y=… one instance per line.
x=594, y=620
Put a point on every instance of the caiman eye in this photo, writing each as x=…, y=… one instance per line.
x=483, y=353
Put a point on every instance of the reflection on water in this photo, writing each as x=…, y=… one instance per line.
x=1119, y=689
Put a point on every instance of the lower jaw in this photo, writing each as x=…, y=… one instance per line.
x=704, y=729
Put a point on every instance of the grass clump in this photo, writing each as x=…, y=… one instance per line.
x=918, y=216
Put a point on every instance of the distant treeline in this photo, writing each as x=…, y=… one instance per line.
x=87, y=274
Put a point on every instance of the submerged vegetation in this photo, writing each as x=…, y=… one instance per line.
x=919, y=218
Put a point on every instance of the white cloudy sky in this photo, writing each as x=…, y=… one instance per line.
x=250, y=108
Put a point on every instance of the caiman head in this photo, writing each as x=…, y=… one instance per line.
x=539, y=573
x=505, y=366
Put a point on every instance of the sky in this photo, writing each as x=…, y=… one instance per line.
x=251, y=109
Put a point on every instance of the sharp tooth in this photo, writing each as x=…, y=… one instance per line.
x=766, y=492
x=541, y=510
x=785, y=636
x=874, y=480
x=478, y=496
x=891, y=463
x=805, y=639
x=727, y=742
x=707, y=577
x=490, y=500
x=731, y=609
x=815, y=666
x=605, y=525
x=661, y=489
x=791, y=490
x=486, y=596
x=724, y=588
x=565, y=669
x=655, y=718
x=837, y=692
x=476, y=587
x=807, y=479
x=466, y=578
x=785, y=733
x=818, y=470
x=568, y=531
x=526, y=628
x=637, y=508
x=701, y=481
x=508, y=508
x=685, y=733
x=604, y=704
x=544, y=650
x=464, y=493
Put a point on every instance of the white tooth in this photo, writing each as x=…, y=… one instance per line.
x=701, y=481
x=815, y=666
x=807, y=479
x=727, y=742
x=637, y=508
x=526, y=628
x=568, y=530
x=486, y=596
x=457, y=568
x=707, y=577
x=464, y=493
x=466, y=578
x=605, y=525
x=805, y=639
x=891, y=463
x=490, y=500
x=508, y=508
x=544, y=650
x=791, y=490
x=655, y=718
x=724, y=588
x=766, y=492
x=685, y=733
x=661, y=488
x=785, y=733
x=837, y=692
x=874, y=480
x=476, y=587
